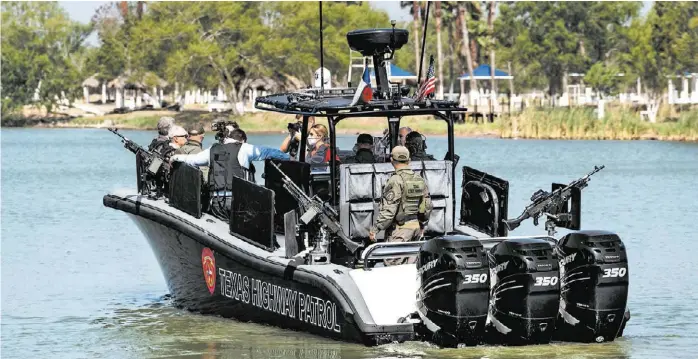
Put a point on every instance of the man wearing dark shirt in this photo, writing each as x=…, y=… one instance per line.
x=364, y=150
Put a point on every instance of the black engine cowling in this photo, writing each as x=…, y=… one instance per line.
x=594, y=286
x=453, y=292
x=525, y=292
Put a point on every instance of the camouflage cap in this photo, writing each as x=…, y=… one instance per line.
x=196, y=130
x=400, y=154
x=165, y=123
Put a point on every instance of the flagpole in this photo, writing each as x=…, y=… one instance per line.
x=424, y=39
x=322, y=62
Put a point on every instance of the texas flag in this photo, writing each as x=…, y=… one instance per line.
x=364, y=93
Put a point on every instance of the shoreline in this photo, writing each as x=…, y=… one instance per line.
x=555, y=124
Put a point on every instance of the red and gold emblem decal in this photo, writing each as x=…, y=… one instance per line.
x=208, y=262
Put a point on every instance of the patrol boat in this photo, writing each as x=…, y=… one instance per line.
x=295, y=254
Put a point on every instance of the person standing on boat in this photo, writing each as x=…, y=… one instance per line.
x=318, y=148
x=178, y=136
x=364, y=150
x=405, y=206
x=231, y=158
x=194, y=146
x=402, y=134
x=417, y=146
x=162, y=141
x=294, y=138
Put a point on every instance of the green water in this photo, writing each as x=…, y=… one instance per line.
x=80, y=281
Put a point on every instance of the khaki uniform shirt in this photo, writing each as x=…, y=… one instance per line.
x=190, y=148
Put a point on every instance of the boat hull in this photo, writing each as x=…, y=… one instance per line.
x=208, y=275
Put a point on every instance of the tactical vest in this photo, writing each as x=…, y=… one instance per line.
x=160, y=146
x=413, y=188
x=224, y=165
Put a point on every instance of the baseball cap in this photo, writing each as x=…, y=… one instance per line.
x=400, y=154
x=196, y=130
x=365, y=138
x=177, y=131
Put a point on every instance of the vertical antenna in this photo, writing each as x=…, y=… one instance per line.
x=424, y=39
x=322, y=62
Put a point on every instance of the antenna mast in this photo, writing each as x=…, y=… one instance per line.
x=424, y=39
x=322, y=62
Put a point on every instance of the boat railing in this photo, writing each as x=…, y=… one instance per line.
x=389, y=250
x=495, y=240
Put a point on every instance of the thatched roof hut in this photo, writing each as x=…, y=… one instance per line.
x=130, y=81
x=91, y=82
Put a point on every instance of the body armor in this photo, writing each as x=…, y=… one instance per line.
x=224, y=165
x=413, y=194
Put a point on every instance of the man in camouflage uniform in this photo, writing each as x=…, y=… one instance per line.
x=405, y=207
x=193, y=146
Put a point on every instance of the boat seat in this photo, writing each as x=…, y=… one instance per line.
x=361, y=188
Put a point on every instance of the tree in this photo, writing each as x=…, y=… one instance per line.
x=415, y=10
x=232, y=44
x=548, y=40
x=38, y=42
x=462, y=16
x=490, y=36
x=440, y=61
x=604, y=78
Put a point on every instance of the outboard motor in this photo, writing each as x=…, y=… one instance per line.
x=525, y=292
x=594, y=287
x=453, y=290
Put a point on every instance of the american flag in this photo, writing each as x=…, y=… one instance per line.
x=429, y=84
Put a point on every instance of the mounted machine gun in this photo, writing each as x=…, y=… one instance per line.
x=153, y=167
x=550, y=203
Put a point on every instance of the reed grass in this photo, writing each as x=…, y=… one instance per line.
x=619, y=123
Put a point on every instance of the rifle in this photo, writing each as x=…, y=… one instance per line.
x=153, y=160
x=545, y=203
x=314, y=207
x=152, y=181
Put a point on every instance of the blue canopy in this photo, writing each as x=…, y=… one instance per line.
x=483, y=72
x=397, y=72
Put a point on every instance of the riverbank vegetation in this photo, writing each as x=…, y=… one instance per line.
x=235, y=45
x=568, y=123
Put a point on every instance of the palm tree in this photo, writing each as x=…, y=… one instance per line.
x=415, y=25
x=490, y=29
x=462, y=16
x=416, y=10
x=438, y=50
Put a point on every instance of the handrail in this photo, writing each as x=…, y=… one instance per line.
x=500, y=239
x=407, y=249
x=410, y=248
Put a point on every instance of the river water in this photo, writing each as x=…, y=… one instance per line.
x=80, y=281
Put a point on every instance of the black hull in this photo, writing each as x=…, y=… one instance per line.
x=247, y=286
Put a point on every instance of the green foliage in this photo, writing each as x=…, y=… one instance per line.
x=40, y=44
x=548, y=39
x=604, y=78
